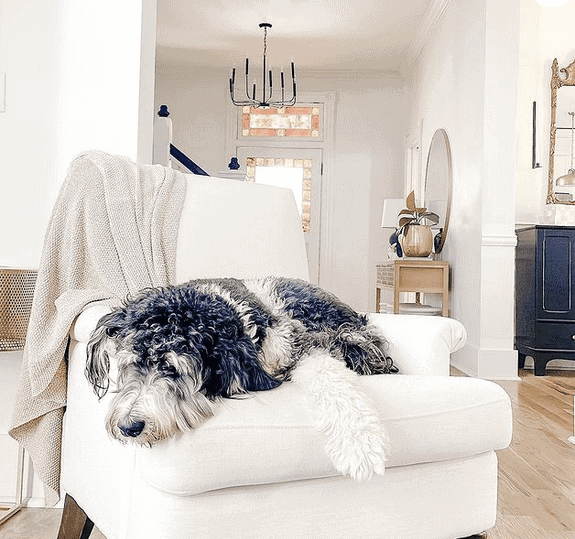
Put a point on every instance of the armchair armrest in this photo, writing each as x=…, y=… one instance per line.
x=86, y=322
x=421, y=344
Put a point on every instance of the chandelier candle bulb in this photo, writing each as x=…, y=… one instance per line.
x=264, y=81
x=232, y=79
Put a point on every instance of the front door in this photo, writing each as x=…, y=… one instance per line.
x=298, y=169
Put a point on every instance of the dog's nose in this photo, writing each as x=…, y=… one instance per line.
x=133, y=429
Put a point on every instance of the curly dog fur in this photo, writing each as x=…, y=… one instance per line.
x=179, y=349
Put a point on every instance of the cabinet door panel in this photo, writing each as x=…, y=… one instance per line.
x=555, y=280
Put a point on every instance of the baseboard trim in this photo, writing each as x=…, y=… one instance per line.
x=36, y=501
x=488, y=364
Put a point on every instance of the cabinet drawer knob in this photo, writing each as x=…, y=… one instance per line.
x=573, y=337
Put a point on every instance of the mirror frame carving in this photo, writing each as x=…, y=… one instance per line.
x=557, y=82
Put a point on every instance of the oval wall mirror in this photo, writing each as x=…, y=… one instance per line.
x=438, y=180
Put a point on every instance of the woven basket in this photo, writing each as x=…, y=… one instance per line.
x=16, y=293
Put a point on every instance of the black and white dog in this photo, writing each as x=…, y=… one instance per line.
x=179, y=349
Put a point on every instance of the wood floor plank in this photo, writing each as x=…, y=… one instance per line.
x=554, y=386
x=551, y=409
x=523, y=527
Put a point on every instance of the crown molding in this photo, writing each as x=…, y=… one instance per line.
x=431, y=17
x=351, y=74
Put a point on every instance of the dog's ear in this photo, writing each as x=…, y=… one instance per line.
x=98, y=362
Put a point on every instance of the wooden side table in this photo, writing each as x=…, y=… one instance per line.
x=412, y=275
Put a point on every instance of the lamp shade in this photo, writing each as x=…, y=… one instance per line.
x=390, y=214
x=568, y=180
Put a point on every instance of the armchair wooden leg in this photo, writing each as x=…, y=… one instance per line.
x=75, y=524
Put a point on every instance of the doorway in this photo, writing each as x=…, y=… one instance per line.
x=297, y=169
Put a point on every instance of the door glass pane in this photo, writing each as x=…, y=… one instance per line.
x=294, y=174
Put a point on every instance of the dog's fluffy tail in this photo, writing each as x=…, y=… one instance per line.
x=356, y=441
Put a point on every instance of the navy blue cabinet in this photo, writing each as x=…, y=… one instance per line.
x=545, y=294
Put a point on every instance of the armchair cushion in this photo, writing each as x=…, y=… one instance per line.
x=270, y=437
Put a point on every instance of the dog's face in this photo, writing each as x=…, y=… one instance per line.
x=153, y=398
x=176, y=351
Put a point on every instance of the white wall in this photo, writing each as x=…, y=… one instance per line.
x=28, y=153
x=79, y=76
x=73, y=76
x=547, y=33
x=465, y=81
x=368, y=157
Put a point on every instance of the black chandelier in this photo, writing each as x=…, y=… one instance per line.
x=267, y=90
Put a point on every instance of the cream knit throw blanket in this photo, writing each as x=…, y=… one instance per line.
x=112, y=232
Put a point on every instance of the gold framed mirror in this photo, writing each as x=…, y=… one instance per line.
x=561, y=179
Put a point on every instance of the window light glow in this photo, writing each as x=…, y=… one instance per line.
x=289, y=122
x=294, y=174
x=551, y=3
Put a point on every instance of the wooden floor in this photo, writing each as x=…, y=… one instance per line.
x=36, y=524
x=536, y=474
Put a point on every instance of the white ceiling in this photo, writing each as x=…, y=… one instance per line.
x=316, y=34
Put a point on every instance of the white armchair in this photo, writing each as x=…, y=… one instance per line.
x=258, y=469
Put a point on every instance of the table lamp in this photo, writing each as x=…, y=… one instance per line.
x=390, y=219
